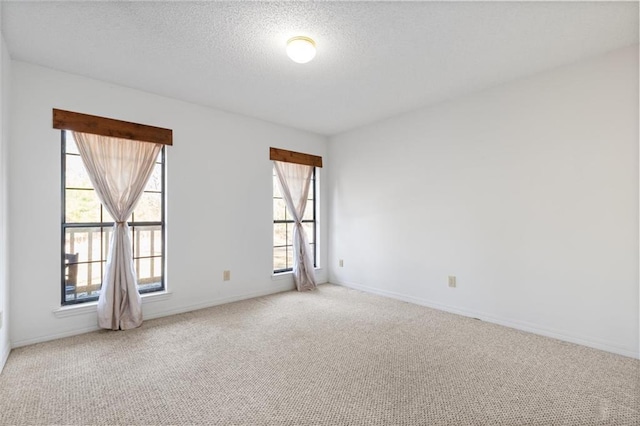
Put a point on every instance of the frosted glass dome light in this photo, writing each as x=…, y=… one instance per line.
x=301, y=49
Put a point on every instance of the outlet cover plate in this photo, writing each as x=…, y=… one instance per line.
x=452, y=281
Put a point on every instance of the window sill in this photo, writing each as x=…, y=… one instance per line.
x=281, y=276
x=286, y=275
x=90, y=307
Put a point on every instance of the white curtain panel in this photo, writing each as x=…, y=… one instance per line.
x=294, y=181
x=119, y=170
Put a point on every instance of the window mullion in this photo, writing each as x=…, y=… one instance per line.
x=85, y=286
x=290, y=221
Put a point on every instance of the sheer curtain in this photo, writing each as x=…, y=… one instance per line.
x=294, y=181
x=119, y=170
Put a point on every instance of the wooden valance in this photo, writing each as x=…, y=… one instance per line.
x=67, y=120
x=277, y=154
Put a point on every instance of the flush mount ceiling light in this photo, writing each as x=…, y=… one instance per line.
x=301, y=49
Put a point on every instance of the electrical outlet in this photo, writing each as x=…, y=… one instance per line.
x=341, y=263
x=226, y=275
x=452, y=281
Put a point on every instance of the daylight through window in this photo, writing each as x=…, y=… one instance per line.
x=87, y=229
x=283, y=227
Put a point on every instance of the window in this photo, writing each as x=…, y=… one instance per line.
x=283, y=227
x=87, y=229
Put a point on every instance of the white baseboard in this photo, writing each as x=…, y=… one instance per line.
x=221, y=301
x=518, y=325
x=55, y=336
x=4, y=356
x=174, y=311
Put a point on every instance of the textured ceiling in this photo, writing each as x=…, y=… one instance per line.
x=374, y=60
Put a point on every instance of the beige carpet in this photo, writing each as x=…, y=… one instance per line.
x=330, y=357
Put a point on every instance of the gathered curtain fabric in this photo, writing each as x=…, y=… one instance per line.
x=294, y=181
x=119, y=170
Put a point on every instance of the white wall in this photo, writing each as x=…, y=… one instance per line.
x=219, y=198
x=527, y=193
x=5, y=62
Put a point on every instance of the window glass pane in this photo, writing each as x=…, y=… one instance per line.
x=69, y=294
x=289, y=234
x=156, y=264
x=83, y=280
x=308, y=211
x=70, y=277
x=106, y=241
x=279, y=258
x=279, y=208
x=279, y=234
x=289, y=257
x=148, y=270
x=85, y=243
x=308, y=228
x=71, y=147
x=78, y=293
x=283, y=233
x=81, y=206
x=155, y=180
x=149, y=208
x=147, y=241
x=147, y=288
x=89, y=277
x=76, y=174
x=87, y=248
